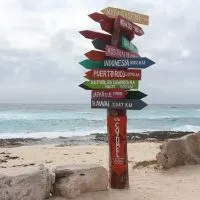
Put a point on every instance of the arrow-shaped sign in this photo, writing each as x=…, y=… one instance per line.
x=95, y=55
x=129, y=27
x=118, y=53
x=132, y=16
x=135, y=95
x=113, y=74
x=129, y=104
x=100, y=44
x=117, y=94
x=107, y=25
x=90, y=64
x=110, y=84
x=128, y=45
x=93, y=35
x=140, y=63
x=109, y=94
x=97, y=17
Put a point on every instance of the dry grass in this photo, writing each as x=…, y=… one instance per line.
x=144, y=163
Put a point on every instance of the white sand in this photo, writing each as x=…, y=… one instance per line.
x=145, y=182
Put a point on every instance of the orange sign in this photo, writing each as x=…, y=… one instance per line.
x=95, y=55
x=118, y=142
x=132, y=16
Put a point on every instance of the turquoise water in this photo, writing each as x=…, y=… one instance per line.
x=71, y=120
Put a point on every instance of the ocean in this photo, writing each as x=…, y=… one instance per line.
x=55, y=120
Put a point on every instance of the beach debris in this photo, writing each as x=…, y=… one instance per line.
x=3, y=161
x=5, y=157
x=88, y=152
x=144, y=163
x=11, y=157
x=34, y=183
x=180, y=151
x=72, y=180
x=49, y=161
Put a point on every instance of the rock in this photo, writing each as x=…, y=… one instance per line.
x=34, y=183
x=180, y=151
x=72, y=180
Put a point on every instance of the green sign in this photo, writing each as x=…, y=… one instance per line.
x=110, y=84
x=91, y=64
x=126, y=44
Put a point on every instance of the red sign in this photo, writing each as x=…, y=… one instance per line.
x=118, y=53
x=93, y=35
x=109, y=94
x=129, y=26
x=97, y=17
x=118, y=142
x=95, y=55
x=106, y=25
x=113, y=74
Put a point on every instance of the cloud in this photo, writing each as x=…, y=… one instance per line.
x=40, y=49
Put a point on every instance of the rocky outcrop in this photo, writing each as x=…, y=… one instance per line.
x=180, y=151
x=71, y=181
x=33, y=184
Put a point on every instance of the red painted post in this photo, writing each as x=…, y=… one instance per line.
x=117, y=138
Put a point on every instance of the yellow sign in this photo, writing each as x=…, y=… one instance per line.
x=132, y=16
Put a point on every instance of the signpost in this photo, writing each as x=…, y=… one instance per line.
x=140, y=62
x=110, y=84
x=109, y=94
x=100, y=44
x=132, y=16
x=107, y=25
x=126, y=44
x=130, y=104
x=97, y=17
x=93, y=35
x=117, y=94
x=118, y=53
x=90, y=64
x=111, y=80
x=95, y=55
x=129, y=26
x=112, y=74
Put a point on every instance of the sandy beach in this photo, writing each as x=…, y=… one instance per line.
x=146, y=182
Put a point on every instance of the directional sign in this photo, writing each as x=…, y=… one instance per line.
x=110, y=84
x=128, y=45
x=113, y=74
x=109, y=94
x=129, y=104
x=90, y=64
x=107, y=25
x=95, y=55
x=129, y=26
x=117, y=94
x=140, y=63
x=132, y=16
x=100, y=44
x=93, y=35
x=97, y=17
x=118, y=53
x=135, y=95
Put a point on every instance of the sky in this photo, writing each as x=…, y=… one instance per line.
x=40, y=49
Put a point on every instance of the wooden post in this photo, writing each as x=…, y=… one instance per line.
x=117, y=137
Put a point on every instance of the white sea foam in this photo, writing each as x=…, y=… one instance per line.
x=49, y=134
x=189, y=128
